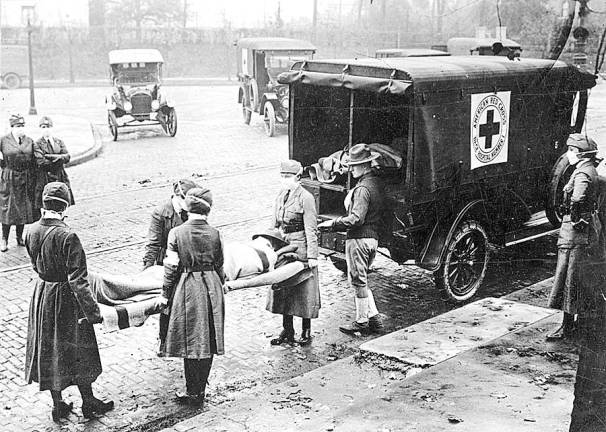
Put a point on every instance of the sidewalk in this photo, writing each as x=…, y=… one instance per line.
x=82, y=139
x=483, y=367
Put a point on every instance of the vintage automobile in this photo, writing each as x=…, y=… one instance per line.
x=13, y=65
x=136, y=99
x=409, y=52
x=480, y=140
x=260, y=61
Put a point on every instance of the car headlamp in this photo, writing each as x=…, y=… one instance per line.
x=155, y=105
x=128, y=106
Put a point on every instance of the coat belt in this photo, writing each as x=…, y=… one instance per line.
x=200, y=268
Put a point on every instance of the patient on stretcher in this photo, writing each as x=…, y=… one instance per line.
x=127, y=301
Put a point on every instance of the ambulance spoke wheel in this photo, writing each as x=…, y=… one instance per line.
x=269, y=117
x=465, y=263
x=340, y=264
x=113, y=128
x=171, y=122
x=560, y=174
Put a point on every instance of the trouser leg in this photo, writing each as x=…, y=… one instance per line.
x=192, y=375
x=372, y=307
x=19, y=229
x=86, y=392
x=205, y=366
x=57, y=397
x=6, y=229
x=359, y=254
x=287, y=323
x=163, y=327
x=306, y=324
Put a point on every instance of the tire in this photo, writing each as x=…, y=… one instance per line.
x=339, y=264
x=11, y=81
x=113, y=127
x=465, y=263
x=253, y=94
x=269, y=118
x=171, y=122
x=246, y=112
x=560, y=174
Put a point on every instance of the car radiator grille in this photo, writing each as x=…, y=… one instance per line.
x=141, y=103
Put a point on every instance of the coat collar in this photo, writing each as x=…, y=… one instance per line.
x=52, y=222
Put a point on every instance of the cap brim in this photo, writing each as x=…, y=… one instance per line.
x=373, y=156
x=281, y=243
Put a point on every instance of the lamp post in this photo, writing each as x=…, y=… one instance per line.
x=32, y=99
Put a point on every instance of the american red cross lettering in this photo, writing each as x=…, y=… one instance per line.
x=489, y=129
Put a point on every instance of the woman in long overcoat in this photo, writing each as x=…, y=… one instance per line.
x=51, y=155
x=578, y=233
x=193, y=284
x=296, y=216
x=61, y=345
x=17, y=182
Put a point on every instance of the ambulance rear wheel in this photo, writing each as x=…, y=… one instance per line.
x=560, y=174
x=465, y=263
x=340, y=264
x=269, y=117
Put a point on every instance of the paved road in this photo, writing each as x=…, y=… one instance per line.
x=115, y=195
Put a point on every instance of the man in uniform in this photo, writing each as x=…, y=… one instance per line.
x=166, y=216
x=364, y=204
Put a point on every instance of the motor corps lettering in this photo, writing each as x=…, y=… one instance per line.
x=489, y=128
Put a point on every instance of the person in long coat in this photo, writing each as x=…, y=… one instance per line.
x=61, y=345
x=17, y=182
x=577, y=233
x=167, y=215
x=295, y=215
x=51, y=155
x=193, y=290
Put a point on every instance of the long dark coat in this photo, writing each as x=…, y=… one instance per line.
x=163, y=219
x=575, y=247
x=17, y=181
x=48, y=171
x=197, y=309
x=60, y=352
x=301, y=299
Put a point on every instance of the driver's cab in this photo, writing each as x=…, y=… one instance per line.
x=135, y=67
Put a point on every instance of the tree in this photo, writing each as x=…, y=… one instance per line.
x=137, y=13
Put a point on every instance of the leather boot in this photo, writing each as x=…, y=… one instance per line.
x=3, y=245
x=96, y=406
x=61, y=410
x=305, y=338
x=20, y=241
x=286, y=336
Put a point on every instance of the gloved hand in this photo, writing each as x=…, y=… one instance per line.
x=290, y=256
x=326, y=225
x=160, y=303
x=227, y=287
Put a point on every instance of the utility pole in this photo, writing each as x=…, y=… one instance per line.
x=32, y=99
x=315, y=20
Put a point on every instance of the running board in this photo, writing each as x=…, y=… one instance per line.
x=533, y=230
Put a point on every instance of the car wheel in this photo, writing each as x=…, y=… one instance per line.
x=465, y=263
x=171, y=122
x=340, y=264
x=562, y=170
x=113, y=127
x=246, y=112
x=269, y=117
x=11, y=81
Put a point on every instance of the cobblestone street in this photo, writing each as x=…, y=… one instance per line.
x=115, y=194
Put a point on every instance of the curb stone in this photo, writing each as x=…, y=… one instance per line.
x=91, y=152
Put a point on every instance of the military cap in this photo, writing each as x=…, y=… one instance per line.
x=198, y=200
x=180, y=187
x=16, y=120
x=583, y=143
x=56, y=191
x=45, y=121
x=291, y=166
x=273, y=234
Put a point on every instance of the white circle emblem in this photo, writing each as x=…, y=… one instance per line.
x=489, y=128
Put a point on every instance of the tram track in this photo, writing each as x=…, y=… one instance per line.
x=105, y=249
x=170, y=182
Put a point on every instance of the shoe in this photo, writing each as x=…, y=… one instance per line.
x=96, y=406
x=375, y=324
x=62, y=410
x=20, y=241
x=160, y=351
x=185, y=398
x=3, y=245
x=286, y=336
x=355, y=327
x=305, y=338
